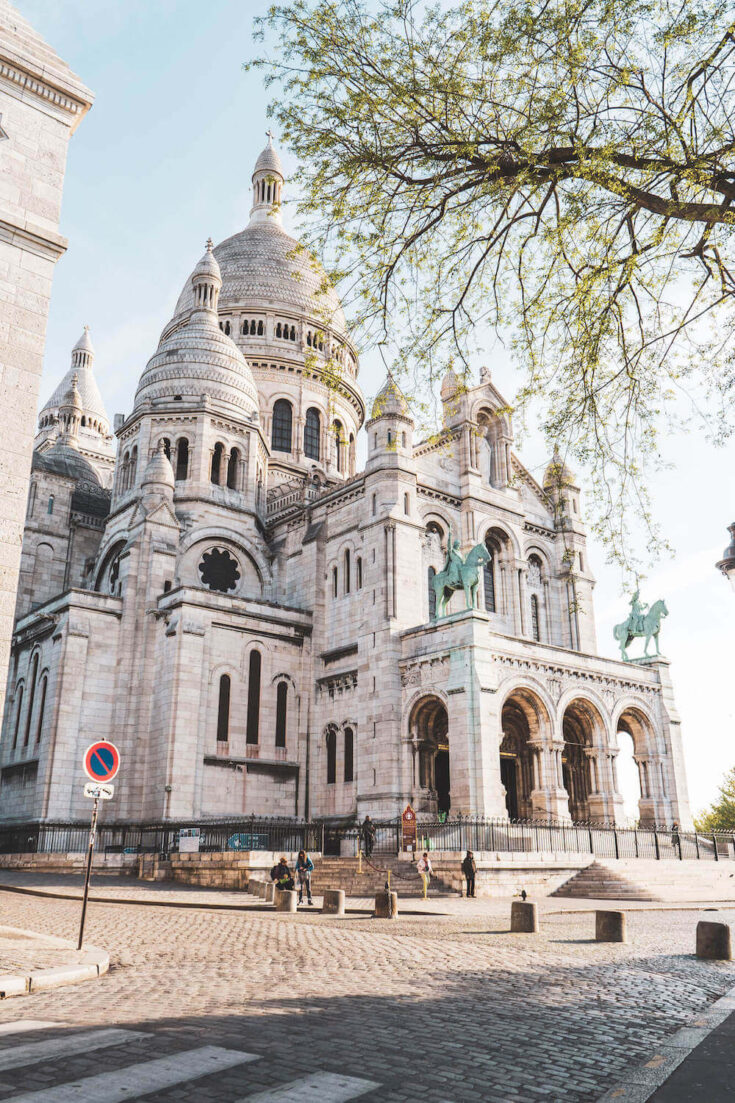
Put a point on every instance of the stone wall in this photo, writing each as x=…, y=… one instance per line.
x=41, y=103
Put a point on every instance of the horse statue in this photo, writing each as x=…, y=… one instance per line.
x=459, y=574
x=640, y=624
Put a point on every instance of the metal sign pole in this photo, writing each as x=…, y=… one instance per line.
x=92, y=834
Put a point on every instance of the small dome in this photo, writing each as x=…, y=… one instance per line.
x=450, y=385
x=269, y=161
x=208, y=266
x=159, y=471
x=62, y=460
x=557, y=473
x=84, y=344
x=390, y=400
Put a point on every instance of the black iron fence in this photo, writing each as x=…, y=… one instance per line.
x=156, y=838
x=460, y=834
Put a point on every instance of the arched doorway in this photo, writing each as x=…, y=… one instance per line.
x=429, y=727
x=633, y=768
x=580, y=722
x=523, y=718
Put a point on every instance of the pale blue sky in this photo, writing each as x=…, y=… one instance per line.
x=164, y=159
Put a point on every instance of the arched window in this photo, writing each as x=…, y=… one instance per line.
x=18, y=712
x=352, y=454
x=223, y=710
x=216, y=468
x=339, y=445
x=535, y=624
x=261, y=329
x=432, y=594
x=233, y=469
x=281, y=713
x=335, y=581
x=167, y=448
x=488, y=577
x=278, y=330
x=31, y=696
x=253, y=719
x=123, y=474
x=227, y=328
x=41, y=708
x=349, y=754
x=50, y=506
x=182, y=460
x=331, y=756
x=347, y=572
x=406, y=504
x=358, y=572
x=281, y=431
x=293, y=333
x=374, y=504
x=312, y=433
x=133, y=465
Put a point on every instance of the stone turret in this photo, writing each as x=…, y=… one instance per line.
x=267, y=186
x=390, y=429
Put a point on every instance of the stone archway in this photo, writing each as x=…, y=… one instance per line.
x=640, y=780
x=580, y=724
x=517, y=759
x=429, y=727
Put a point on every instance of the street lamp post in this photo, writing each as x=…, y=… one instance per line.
x=727, y=563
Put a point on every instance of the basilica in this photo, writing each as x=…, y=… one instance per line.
x=213, y=584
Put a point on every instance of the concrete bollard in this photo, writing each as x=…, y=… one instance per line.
x=386, y=905
x=713, y=941
x=269, y=894
x=286, y=900
x=524, y=917
x=610, y=927
x=251, y=886
x=333, y=902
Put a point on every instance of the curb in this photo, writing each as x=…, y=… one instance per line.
x=94, y=964
x=640, y=1083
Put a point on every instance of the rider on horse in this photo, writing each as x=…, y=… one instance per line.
x=454, y=562
x=638, y=610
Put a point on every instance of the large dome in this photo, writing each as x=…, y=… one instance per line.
x=263, y=267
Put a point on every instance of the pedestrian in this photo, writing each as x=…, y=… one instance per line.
x=425, y=870
x=676, y=837
x=368, y=836
x=304, y=870
x=282, y=875
x=469, y=868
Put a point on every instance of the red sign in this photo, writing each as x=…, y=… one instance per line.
x=408, y=826
x=101, y=761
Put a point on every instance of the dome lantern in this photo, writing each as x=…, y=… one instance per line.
x=206, y=280
x=70, y=414
x=267, y=186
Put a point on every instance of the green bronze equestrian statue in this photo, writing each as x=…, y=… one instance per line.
x=459, y=574
x=642, y=622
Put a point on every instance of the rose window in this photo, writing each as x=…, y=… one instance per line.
x=219, y=570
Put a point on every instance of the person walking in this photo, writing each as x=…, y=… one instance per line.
x=425, y=870
x=469, y=868
x=368, y=836
x=304, y=870
x=282, y=875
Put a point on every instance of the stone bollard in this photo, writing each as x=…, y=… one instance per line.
x=610, y=927
x=386, y=905
x=524, y=917
x=713, y=941
x=251, y=886
x=262, y=888
x=286, y=900
x=333, y=902
x=269, y=894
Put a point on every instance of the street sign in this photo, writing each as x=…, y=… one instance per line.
x=408, y=826
x=101, y=761
x=98, y=791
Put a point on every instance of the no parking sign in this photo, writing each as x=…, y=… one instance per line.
x=101, y=761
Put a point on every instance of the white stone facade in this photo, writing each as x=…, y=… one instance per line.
x=256, y=627
x=41, y=104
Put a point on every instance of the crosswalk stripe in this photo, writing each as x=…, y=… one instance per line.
x=327, y=1087
x=21, y=1025
x=134, y=1080
x=63, y=1045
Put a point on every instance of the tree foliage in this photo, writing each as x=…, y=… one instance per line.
x=721, y=815
x=558, y=171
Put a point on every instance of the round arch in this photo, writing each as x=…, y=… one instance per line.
x=428, y=724
x=583, y=728
x=524, y=718
x=635, y=734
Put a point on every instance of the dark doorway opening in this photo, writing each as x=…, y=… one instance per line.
x=509, y=778
x=441, y=781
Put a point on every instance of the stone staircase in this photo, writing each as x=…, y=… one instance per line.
x=599, y=882
x=644, y=879
x=342, y=873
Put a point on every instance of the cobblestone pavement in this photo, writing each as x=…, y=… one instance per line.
x=432, y=1008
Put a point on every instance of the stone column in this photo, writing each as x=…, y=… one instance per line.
x=549, y=798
